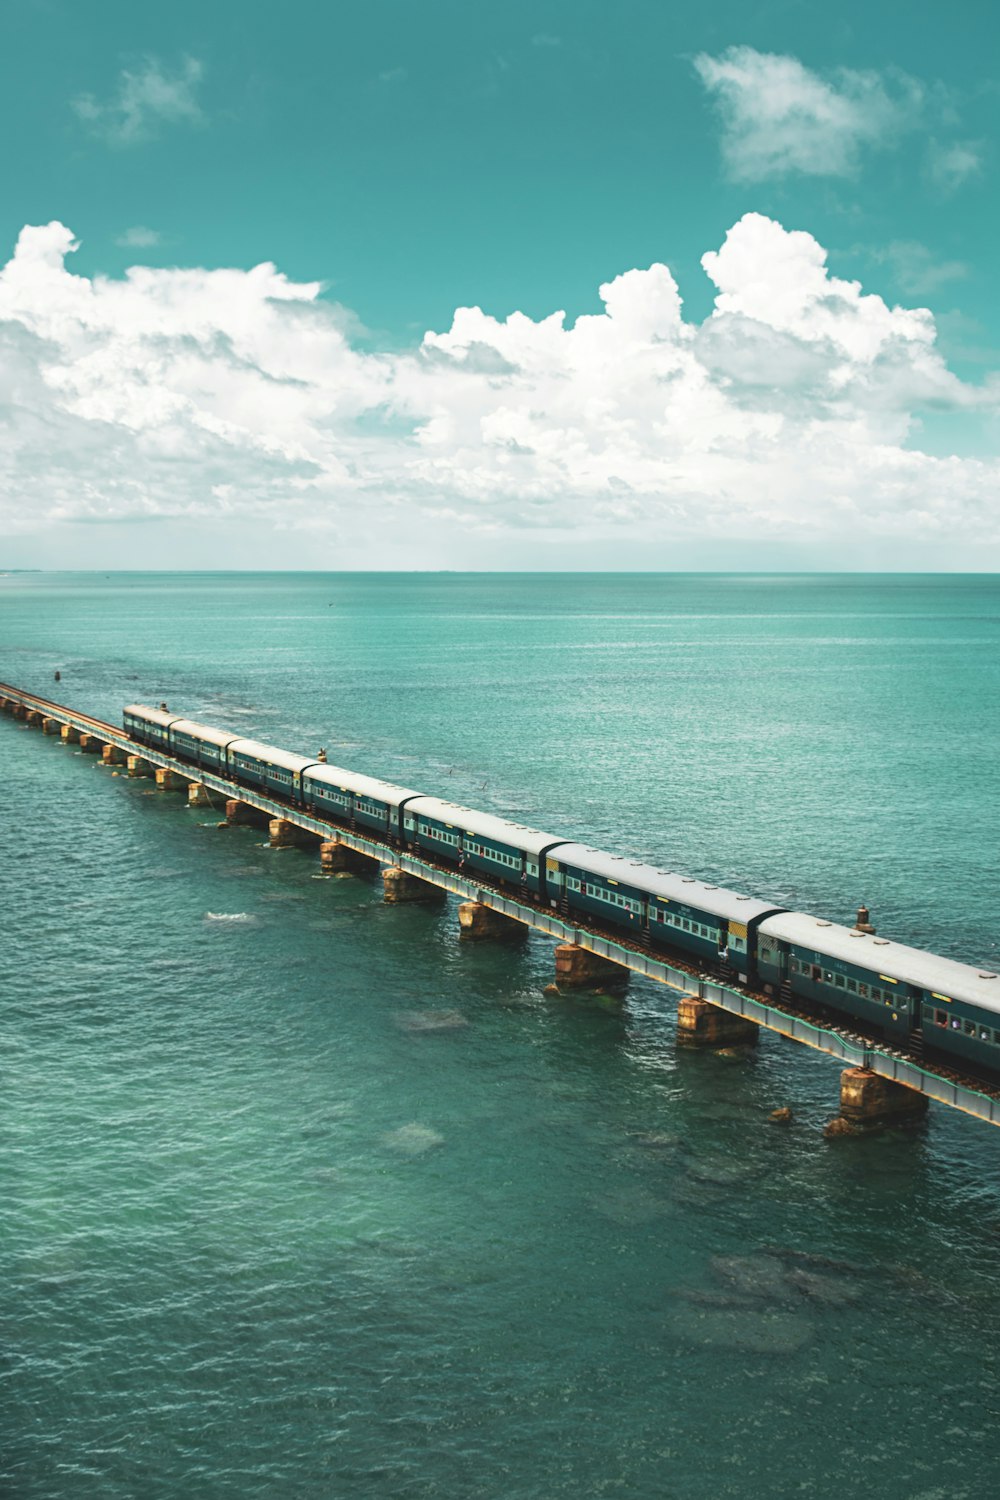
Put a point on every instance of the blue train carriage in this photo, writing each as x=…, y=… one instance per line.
x=895, y=988
x=358, y=801
x=150, y=726
x=479, y=843
x=199, y=743
x=674, y=911
x=268, y=768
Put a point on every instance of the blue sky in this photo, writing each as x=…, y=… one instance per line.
x=395, y=162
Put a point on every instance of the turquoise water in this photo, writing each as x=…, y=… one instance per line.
x=301, y=1197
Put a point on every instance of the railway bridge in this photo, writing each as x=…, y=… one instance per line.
x=880, y=1085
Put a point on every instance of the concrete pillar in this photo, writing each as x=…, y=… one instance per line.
x=287, y=835
x=19, y=711
x=112, y=756
x=136, y=765
x=700, y=1024
x=400, y=885
x=198, y=795
x=70, y=734
x=50, y=726
x=336, y=857
x=168, y=780
x=476, y=920
x=90, y=744
x=242, y=812
x=578, y=968
x=869, y=1103
x=33, y=717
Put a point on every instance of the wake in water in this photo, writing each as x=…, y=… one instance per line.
x=229, y=916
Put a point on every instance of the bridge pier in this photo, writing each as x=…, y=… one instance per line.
x=400, y=886
x=168, y=780
x=136, y=765
x=238, y=813
x=701, y=1024
x=33, y=718
x=112, y=756
x=198, y=795
x=50, y=726
x=70, y=734
x=870, y=1103
x=476, y=920
x=284, y=834
x=579, y=969
x=90, y=744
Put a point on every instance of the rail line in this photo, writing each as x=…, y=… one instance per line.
x=852, y=1046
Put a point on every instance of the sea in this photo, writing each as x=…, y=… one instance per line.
x=302, y=1198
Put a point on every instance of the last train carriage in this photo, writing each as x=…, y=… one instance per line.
x=842, y=973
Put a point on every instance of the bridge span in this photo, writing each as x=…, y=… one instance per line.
x=881, y=1085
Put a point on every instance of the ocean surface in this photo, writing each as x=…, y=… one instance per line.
x=302, y=1198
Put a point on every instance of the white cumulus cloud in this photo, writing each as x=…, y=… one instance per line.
x=792, y=411
x=779, y=117
x=147, y=98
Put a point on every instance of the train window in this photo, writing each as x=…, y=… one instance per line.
x=852, y=985
x=984, y=1035
x=863, y=991
x=970, y=1028
x=956, y=1024
x=840, y=982
x=827, y=976
x=941, y=1017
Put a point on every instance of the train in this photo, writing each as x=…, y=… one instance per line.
x=912, y=998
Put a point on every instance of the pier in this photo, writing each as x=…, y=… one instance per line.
x=880, y=1085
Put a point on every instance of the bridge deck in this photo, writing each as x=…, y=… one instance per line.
x=851, y=1047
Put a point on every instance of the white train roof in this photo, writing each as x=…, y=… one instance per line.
x=684, y=888
x=365, y=786
x=488, y=825
x=272, y=755
x=219, y=737
x=941, y=976
x=155, y=715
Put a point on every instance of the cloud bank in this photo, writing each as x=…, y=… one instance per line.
x=792, y=411
x=147, y=98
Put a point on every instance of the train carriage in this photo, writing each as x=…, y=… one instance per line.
x=358, y=801
x=479, y=843
x=266, y=767
x=675, y=911
x=150, y=726
x=199, y=743
x=888, y=985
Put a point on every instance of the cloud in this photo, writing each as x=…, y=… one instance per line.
x=917, y=269
x=778, y=117
x=147, y=99
x=791, y=412
x=951, y=165
x=139, y=238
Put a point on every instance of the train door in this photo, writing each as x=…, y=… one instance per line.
x=555, y=882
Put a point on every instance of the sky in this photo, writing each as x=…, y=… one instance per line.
x=559, y=285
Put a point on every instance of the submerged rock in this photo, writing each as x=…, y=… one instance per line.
x=431, y=1020
x=753, y=1275
x=723, y=1172
x=823, y=1289
x=655, y=1140
x=748, y=1330
x=629, y=1206
x=413, y=1139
